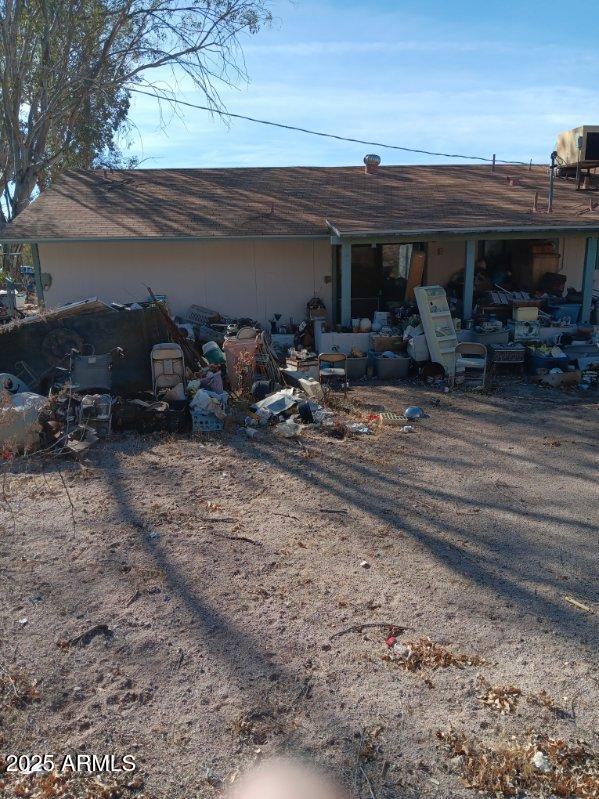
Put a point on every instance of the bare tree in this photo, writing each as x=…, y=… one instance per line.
x=67, y=68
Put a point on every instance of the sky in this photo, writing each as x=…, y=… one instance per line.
x=456, y=76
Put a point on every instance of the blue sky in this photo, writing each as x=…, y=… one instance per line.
x=456, y=76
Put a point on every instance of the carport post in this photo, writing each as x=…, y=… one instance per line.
x=37, y=270
x=468, y=297
x=346, y=285
x=588, y=276
x=10, y=297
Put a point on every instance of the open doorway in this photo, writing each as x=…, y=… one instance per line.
x=519, y=264
x=380, y=276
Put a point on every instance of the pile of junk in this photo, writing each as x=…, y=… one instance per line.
x=76, y=374
x=426, y=340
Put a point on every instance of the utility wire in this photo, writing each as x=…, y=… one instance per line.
x=157, y=96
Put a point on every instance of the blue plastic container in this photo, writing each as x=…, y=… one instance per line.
x=568, y=309
x=535, y=360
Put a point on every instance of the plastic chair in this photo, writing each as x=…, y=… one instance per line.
x=335, y=367
x=471, y=363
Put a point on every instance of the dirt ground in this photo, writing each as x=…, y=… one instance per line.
x=227, y=570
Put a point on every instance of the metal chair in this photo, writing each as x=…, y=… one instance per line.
x=168, y=368
x=471, y=363
x=335, y=367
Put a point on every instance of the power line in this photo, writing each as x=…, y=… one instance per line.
x=323, y=135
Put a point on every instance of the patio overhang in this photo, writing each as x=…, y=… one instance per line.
x=348, y=238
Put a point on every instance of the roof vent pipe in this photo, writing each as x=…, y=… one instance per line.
x=371, y=163
x=551, y=181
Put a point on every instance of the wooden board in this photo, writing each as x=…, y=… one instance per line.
x=417, y=264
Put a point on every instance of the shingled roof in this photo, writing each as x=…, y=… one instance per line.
x=298, y=201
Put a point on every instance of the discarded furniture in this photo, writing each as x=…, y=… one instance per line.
x=95, y=411
x=438, y=326
x=332, y=366
x=89, y=372
x=25, y=349
x=507, y=356
x=168, y=367
x=470, y=363
x=240, y=355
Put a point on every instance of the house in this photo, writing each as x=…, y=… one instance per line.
x=253, y=242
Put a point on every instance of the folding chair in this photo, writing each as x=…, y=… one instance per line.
x=332, y=366
x=471, y=363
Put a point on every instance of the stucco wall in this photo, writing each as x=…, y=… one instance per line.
x=251, y=278
x=444, y=259
x=572, y=251
x=447, y=257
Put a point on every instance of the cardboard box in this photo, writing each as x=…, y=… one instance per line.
x=525, y=314
x=384, y=343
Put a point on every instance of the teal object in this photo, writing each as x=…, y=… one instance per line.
x=215, y=356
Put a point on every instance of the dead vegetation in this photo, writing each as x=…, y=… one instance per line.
x=504, y=698
x=500, y=698
x=426, y=655
x=69, y=786
x=540, y=765
x=17, y=689
x=258, y=726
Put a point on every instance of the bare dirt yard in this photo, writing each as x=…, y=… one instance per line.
x=202, y=603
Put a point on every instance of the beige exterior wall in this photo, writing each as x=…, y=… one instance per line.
x=447, y=257
x=572, y=252
x=253, y=278
x=444, y=259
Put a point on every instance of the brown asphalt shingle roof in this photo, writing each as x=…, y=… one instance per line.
x=296, y=201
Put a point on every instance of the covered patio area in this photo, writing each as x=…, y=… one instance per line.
x=378, y=270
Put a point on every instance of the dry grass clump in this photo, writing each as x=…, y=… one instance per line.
x=17, y=689
x=259, y=726
x=540, y=766
x=501, y=698
x=426, y=655
x=69, y=786
x=504, y=698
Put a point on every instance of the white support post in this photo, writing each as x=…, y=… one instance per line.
x=346, y=285
x=468, y=298
x=37, y=270
x=588, y=276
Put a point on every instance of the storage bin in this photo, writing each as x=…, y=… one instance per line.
x=356, y=368
x=392, y=368
x=383, y=343
x=571, y=310
x=507, y=353
x=205, y=423
x=536, y=360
